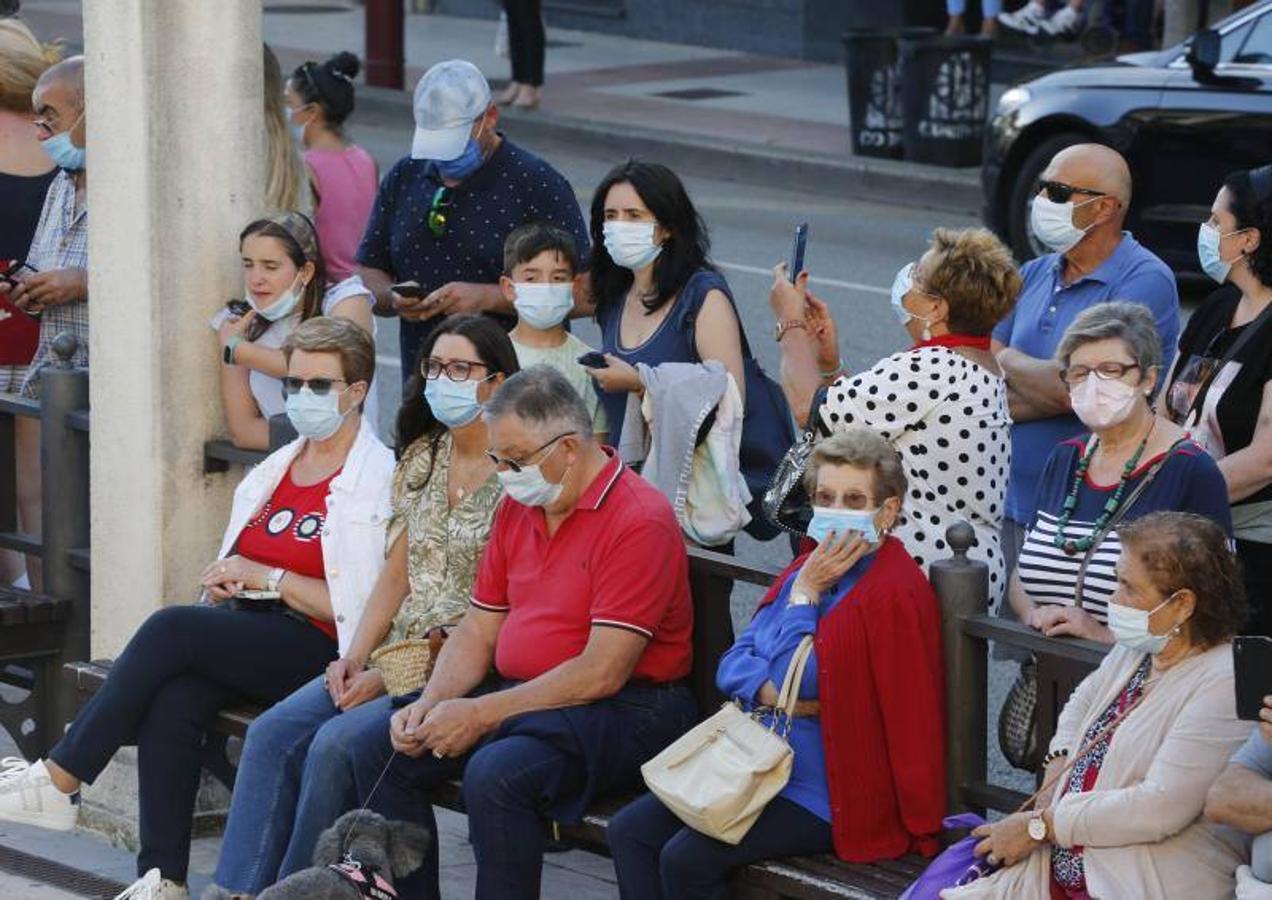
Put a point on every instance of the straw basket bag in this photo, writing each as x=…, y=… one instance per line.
x=406, y=664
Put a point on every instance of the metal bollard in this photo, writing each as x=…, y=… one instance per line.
x=962, y=586
x=64, y=464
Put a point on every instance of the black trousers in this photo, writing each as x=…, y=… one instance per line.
x=525, y=40
x=182, y=666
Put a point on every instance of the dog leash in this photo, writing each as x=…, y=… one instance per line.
x=353, y=827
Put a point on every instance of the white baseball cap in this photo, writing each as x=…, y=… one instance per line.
x=448, y=98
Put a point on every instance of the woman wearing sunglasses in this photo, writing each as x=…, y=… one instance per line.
x=444, y=497
x=285, y=283
x=304, y=546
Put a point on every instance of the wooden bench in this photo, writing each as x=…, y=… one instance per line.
x=33, y=635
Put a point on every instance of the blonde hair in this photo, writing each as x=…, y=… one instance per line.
x=323, y=334
x=286, y=181
x=973, y=270
x=23, y=60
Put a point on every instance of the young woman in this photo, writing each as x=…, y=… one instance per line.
x=286, y=186
x=285, y=284
x=342, y=175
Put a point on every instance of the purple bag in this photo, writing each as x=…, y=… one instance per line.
x=955, y=866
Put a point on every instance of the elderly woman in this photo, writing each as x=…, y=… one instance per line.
x=311, y=510
x=868, y=738
x=942, y=404
x=1141, y=739
x=1130, y=464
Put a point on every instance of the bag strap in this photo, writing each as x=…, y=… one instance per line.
x=788, y=696
x=1199, y=399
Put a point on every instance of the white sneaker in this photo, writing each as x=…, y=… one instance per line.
x=27, y=795
x=1028, y=18
x=1065, y=21
x=153, y=886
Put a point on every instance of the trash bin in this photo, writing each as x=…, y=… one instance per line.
x=945, y=98
x=874, y=88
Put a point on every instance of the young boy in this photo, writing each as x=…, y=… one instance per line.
x=540, y=267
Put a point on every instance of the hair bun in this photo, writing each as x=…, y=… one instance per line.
x=344, y=65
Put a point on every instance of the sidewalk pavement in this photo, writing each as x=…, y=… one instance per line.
x=728, y=114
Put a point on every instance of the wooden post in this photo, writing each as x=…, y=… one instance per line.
x=386, y=40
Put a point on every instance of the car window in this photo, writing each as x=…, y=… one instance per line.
x=1257, y=48
x=1232, y=43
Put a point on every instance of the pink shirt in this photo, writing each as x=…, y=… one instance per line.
x=346, y=189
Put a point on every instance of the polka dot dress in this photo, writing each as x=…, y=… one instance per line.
x=948, y=418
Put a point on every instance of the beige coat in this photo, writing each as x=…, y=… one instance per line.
x=1141, y=825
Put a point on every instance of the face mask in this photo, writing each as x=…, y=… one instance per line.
x=631, y=244
x=454, y=403
x=280, y=308
x=1101, y=404
x=1052, y=223
x=64, y=153
x=1208, y=237
x=314, y=417
x=1130, y=628
x=826, y=519
x=544, y=306
x=463, y=165
x=529, y=487
x=297, y=132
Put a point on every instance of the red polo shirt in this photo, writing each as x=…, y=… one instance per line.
x=617, y=561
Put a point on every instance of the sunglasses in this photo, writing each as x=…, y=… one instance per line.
x=320, y=386
x=516, y=466
x=1059, y=192
x=438, y=210
x=455, y=370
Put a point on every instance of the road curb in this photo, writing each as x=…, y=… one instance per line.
x=882, y=180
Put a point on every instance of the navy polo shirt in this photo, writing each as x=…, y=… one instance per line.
x=512, y=188
x=1044, y=310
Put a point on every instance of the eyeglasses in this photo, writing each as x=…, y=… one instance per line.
x=1105, y=371
x=516, y=466
x=1059, y=192
x=438, y=211
x=320, y=386
x=455, y=370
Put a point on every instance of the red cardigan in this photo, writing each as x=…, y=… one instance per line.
x=881, y=682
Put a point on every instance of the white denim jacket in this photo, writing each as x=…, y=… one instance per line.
x=358, y=508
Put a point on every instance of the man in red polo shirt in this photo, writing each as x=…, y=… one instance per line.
x=582, y=606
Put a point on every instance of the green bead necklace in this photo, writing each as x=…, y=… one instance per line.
x=1082, y=545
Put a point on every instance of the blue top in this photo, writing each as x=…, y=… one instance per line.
x=512, y=188
x=1044, y=310
x=670, y=342
x=762, y=653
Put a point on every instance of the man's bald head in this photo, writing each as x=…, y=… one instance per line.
x=1093, y=166
x=62, y=81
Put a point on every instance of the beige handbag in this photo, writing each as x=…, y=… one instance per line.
x=718, y=776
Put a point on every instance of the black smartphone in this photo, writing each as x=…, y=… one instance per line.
x=238, y=307
x=13, y=268
x=593, y=360
x=409, y=289
x=1252, y=666
x=795, y=264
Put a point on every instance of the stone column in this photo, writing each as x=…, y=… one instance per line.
x=175, y=169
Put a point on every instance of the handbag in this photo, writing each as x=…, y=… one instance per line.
x=405, y=665
x=786, y=502
x=718, y=776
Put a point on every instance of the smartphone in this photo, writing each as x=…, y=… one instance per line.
x=1252, y=665
x=795, y=264
x=410, y=289
x=13, y=268
x=593, y=360
x=238, y=307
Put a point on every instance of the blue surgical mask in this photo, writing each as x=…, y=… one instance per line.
x=315, y=417
x=64, y=153
x=454, y=403
x=1130, y=628
x=280, y=308
x=463, y=165
x=841, y=521
x=543, y=306
x=1208, y=254
x=901, y=285
x=297, y=128
x=631, y=244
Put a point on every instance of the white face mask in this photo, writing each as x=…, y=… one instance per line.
x=529, y=487
x=543, y=306
x=1102, y=404
x=1052, y=223
x=282, y=307
x=1130, y=628
x=631, y=244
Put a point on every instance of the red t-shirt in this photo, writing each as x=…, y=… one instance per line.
x=287, y=533
x=617, y=561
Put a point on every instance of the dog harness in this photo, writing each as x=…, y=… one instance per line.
x=370, y=883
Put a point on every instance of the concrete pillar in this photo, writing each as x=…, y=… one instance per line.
x=175, y=169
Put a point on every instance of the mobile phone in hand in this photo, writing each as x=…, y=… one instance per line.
x=795, y=264
x=1252, y=667
x=238, y=307
x=13, y=267
x=593, y=360
x=409, y=289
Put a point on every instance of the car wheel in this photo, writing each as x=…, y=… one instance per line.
x=1023, y=242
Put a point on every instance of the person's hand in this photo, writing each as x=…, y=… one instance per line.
x=821, y=326
x=830, y=560
x=403, y=726
x=1074, y=622
x=767, y=695
x=235, y=326
x=452, y=727
x=339, y=677
x=56, y=287
x=412, y=309
x=1265, y=720
x=1042, y=617
x=788, y=301
x=233, y=572
x=616, y=378
x=366, y=685
x=1007, y=841
x=456, y=297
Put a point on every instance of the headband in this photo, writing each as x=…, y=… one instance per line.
x=301, y=230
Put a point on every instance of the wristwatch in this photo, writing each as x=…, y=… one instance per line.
x=1038, y=828
x=273, y=578
x=801, y=598
x=780, y=329
x=230, y=346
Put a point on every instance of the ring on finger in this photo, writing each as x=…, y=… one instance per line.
x=439, y=754
x=991, y=859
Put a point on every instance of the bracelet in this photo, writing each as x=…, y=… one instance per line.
x=1053, y=756
x=835, y=372
x=227, y=355
x=786, y=325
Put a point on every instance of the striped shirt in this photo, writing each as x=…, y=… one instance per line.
x=1049, y=575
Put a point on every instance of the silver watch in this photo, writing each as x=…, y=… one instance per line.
x=273, y=578
x=800, y=597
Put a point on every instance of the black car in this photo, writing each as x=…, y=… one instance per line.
x=1182, y=117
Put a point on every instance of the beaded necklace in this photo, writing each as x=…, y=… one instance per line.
x=1072, y=547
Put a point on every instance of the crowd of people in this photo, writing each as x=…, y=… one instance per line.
x=504, y=595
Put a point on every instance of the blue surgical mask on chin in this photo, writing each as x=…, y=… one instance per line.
x=827, y=519
x=280, y=308
x=453, y=403
x=63, y=152
x=463, y=165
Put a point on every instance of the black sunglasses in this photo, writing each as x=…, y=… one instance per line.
x=320, y=386
x=518, y=466
x=1059, y=192
x=437, y=211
